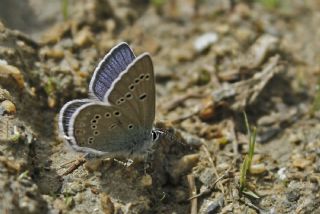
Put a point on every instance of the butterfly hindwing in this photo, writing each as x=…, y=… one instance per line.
x=106, y=129
x=66, y=113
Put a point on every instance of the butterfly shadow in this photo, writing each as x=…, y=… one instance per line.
x=152, y=182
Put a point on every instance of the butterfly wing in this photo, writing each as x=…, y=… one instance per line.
x=66, y=113
x=109, y=69
x=134, y=91
x=120, y=122
x=101, y=129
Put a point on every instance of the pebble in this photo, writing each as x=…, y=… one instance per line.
x=300, y=162
x=257, y=169
x=204, y=41
x=282, y=173
x=55, y=33
x=293, y=195
x=207, y=176
x=208, y=111
x=83, y=37
x=146, y=181
x=211, y=206
x=106, y=204
x=12, y=71
x=93, y=165
x=7, y=107
x=55, y=53
x=183, y=165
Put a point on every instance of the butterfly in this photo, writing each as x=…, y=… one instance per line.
x=117, y=118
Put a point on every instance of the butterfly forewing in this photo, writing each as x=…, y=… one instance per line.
x=135, y=91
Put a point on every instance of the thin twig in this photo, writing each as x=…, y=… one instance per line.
x=209, y=189
x=177, y=102
x=251, y=205
x=77, y=163
x=185, y=117
x=213, y=167
x=193, y=192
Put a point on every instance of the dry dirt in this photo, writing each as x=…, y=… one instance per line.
x=213, y=60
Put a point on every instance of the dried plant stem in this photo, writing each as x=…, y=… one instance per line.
x=193, y=192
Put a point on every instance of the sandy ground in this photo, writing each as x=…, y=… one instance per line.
x=213, y=60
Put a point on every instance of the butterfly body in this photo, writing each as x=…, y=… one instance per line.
x=117, y=119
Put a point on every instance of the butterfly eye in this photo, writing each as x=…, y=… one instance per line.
x=94, y=126
x=141, y=76
x=147, y=76
x=97, y=116
x=96, y=132
x=155, y=135
x=107, y=115
x=94, y=121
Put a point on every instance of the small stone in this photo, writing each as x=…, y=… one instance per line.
x=296, y=138
x=51, y=101
x=106, y=204
x=93, y=165
x=146, y=181
x=79, y=198
x=7, y=107
x=257, y=169
x=182, y=56
x=204, y=41
x=54, y=53
x=207, y=176
x=55, y=33
x=83, y=37
x=183, y=165
x=12, y=71
x=282, y=173
x=110, y=25
x=59, y=204
x=293, y=195
x=208, y=111
x=223, y=166
x=300, y=162
x=11, y=165
x=212, y=206
x=77, y=187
